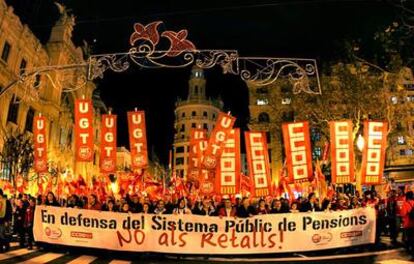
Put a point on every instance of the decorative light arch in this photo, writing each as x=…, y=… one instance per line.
x=151, y=48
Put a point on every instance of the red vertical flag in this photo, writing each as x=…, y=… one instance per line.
x=218, y=136
x=40, y=144
x=342, y=152
x=198, y=143
x=258, y=162
x=138, y=139
x=108, y=144
x=298, y=151
x=373, y=155
x=83, y=130
x=229, y=169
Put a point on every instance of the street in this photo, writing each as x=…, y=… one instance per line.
x=62, y=255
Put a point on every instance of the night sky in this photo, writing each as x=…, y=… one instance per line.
x=311, y=29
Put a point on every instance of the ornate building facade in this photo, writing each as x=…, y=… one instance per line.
x=197, y=111
x=51, y=93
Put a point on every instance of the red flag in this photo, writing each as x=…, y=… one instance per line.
x=83, y=130
x=258, y=162
x=40, y=144
x=298, y=151
x=373, y=155
x=138, y=139
x=228, y=171
x=108, y=144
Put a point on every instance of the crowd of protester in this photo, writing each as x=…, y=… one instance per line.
x=395, y=213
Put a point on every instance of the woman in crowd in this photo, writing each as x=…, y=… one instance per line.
x=28, y=222
x=93, y=203
x=262, y=207
x=181, y=207
x=19, y=214
x=51, y=200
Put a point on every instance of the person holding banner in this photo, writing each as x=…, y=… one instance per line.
x=311, y=205
x=181, y=208
x=206, y=209
x=245, y=210
x=228, y=210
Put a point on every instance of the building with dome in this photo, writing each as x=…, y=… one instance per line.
x=196, y=111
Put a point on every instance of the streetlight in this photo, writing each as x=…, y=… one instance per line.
x=360, y=142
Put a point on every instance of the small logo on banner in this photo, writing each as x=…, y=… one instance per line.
x=53, y=233
x=108, y=164
x=210, y=162
x=322, y=239
x=86, y=235
x=351, y=234
x=41, y=165
x=85, y=152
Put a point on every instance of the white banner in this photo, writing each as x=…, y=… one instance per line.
x=277, y=233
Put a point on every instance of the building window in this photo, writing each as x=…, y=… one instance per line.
x=179, y=161
x=182, y=128
x=13, y=110
x=179, y=150
x=315, y=134
x=205, y=114
x=6, y=51
x=29, y=120
x=402, y=152
x=262, y=101
x=317, y=152
x=196, y=89
x=288, y=116
x=23, y=65
x=183, y=114
x=193, y=125
x=286, y=101
x=205, y=126
x=193, y=113
x=269, y=152
x=268, y=137
x=36, y=82
x=264, y=118
x=262, y=90
x=214, y=116
x=409, y=152
x=400, y=140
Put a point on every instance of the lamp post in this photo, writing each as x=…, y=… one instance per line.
x=360, y=143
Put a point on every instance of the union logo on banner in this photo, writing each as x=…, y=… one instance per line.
x=373, y=155
x=83, y=130
x=108, y=144
x=298, y=151
x=218, y=136
x=258, y=162
x=228, y=171
x=342, y=152
x=138, y=139
x=39, y=144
